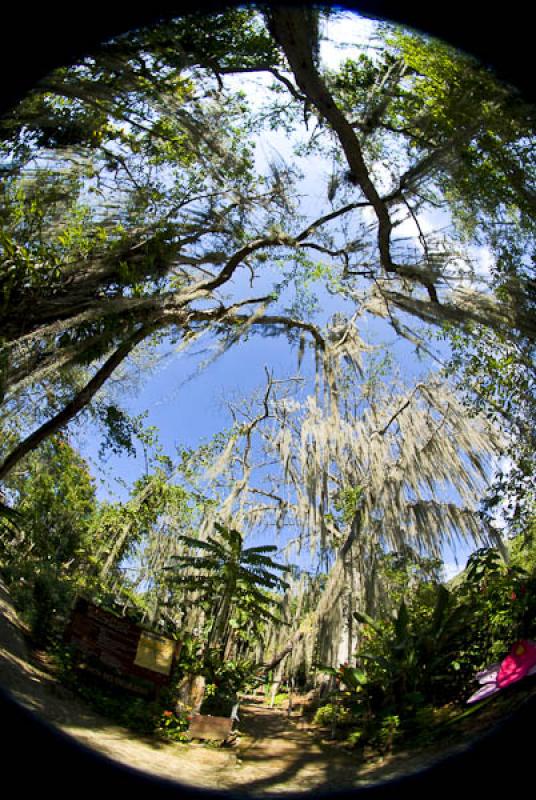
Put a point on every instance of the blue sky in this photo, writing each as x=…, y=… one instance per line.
x=187, y=406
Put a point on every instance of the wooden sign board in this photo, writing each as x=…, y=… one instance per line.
x=120, y=649
x=205, y=727
x=155, y=653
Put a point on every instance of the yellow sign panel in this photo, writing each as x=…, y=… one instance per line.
x=155, y=653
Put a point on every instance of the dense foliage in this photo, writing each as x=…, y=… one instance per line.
x=47, y=552
x=140, y=217
x=416, y=667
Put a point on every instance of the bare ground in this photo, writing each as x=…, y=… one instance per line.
x=275, y=754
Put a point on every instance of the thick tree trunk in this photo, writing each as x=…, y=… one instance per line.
x=191, y=693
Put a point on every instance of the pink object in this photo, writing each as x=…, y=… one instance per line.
x=519, y=662
x=484, y=691
x=489, y=675
x=488, y=678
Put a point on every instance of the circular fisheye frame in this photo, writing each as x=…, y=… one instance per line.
x=267, y=398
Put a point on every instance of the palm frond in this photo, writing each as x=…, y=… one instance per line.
x=198, y=543
x=267, y=548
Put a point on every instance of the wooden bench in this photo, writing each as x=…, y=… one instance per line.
x=213, y=728
x=205, y=727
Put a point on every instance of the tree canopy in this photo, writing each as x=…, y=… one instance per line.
x=139, y=211
x=131, y=193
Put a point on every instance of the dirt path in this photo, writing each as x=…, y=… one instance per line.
x=275, y=754
x=279, y=754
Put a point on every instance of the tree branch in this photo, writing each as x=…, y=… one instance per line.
x=291, y=29
x=80, y=401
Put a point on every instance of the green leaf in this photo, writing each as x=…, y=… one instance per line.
x=365, y=619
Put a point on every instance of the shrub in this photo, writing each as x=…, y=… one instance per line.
x=410, y=658
x=331, y=713
x=224, y=679
x=387, y=732
x=502, y=602
x=355, y=738
x=173, y=726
